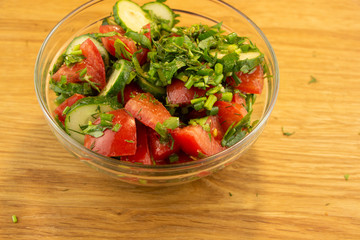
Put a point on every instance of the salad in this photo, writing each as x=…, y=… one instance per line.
x=145, y=90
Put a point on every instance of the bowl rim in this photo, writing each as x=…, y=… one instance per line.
x=203, y=161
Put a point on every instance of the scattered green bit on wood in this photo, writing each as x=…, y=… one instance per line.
x=346, y=176
x=230, y=194
x=312, y=80
x=327, y=204
x=14, y=219
x=286, y=133
x=257, y=194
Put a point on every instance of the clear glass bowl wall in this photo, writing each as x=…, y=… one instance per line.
x=87, y=18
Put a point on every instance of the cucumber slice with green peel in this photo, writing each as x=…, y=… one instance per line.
x=83, y=111
x=79, y=40
x=160, y=11
x=156, y=91
x=130, y=16
x=120, y=76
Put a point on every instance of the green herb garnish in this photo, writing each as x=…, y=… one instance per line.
x=286, y=133
x=312, y=80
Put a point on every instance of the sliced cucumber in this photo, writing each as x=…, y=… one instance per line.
x=158, y=92
x=248, y=55
x=83, y=111
x=79, y=40
x=129, y=15
x=118, y=78
x=242, y=56
x=160, y=11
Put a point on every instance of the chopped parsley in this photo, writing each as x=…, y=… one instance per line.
x=346, y=177
x=286, y=133
x=312, y=80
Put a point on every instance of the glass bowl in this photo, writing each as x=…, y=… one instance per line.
x=87, y=18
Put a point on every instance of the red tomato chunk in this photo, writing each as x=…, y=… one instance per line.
x=250, y=83
x=230, y=113
x=147, y=109
x=195, y=141
x=93, y=63
x=114, y=144
x=142, y=154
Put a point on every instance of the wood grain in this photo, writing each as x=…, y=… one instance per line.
x=285, y=187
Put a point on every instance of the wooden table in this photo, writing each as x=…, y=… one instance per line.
x=285, y=187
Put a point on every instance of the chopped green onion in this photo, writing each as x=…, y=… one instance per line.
x=218, y=78
x=198, y=106
x=210, y=102
x=190, y=82
x=66, y=110
x=346, y=176
x=199, y=85
x=181, y=76
x=231, y=37
x=219, y=68
x=197, y=100
x=236, y=78
x=214, y=90
x=171, y=123
x=198, y=121
x=76, y=47
x=213, y=111
x=77, y=52
x=227, y=96
x=14, y=219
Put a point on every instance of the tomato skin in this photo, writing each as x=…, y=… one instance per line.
x=93, y=62
x=130, y=44
x=230, y=113
x=142, y=154
x=67, y=103
x=114, y=144
x=177, y=93
x=250, y=83
x=160, y=150
x=147, y=109
x=130, y=91
x=194, y=139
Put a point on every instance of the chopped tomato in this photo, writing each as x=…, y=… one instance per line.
x=250, y=82
x=216, y=129
x=142, y=154
x=147, y=109
x=147, y=31
x=67, y=103
x=131, y=90
x=195, y=141
x=93, y=63
x=161, y=150
x=230, y=113
x=129, y=43
x=237, y=98
x=177, y=93
x=115, y=143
